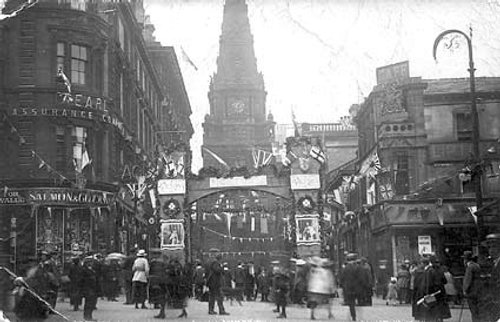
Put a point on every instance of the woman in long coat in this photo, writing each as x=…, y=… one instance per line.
x=264, y=284
x=403, y=284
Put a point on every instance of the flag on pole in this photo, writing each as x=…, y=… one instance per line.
x=64, y=79
x=472, y=211
x=188, y=60
x=289, y=158
x=371, y=166
x=216, y=157
x=261, y=157
x=295, y=125
x=85, y=159
x=317, y=154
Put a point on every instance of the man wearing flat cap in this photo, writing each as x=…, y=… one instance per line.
x=472, y=284
x=490, y=303
x=349, y=281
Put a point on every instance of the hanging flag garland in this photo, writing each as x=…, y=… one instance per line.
x=42, y=164
x=240, y=239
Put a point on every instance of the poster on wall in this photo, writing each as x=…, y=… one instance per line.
x=424, y=245
x=172, y=234
x=307, y=229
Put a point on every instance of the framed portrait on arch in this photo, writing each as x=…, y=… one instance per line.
x=172, y=234
x=307, y=229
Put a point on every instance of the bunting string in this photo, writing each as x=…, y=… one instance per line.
x=41, y=162
x=241, y=239
x=258, y=252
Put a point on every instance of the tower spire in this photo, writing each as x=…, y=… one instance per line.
x=237, y=123
x=236, y=64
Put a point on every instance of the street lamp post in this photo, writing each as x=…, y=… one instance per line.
x=477, y=170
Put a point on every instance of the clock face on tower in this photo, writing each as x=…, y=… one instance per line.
x=238, y=107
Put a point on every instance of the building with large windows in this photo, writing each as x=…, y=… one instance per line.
x=83, y=108
x=411, y=190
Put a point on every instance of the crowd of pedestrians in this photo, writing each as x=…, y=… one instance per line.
x=163, y=283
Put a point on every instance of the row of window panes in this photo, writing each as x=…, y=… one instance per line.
x=79, y=63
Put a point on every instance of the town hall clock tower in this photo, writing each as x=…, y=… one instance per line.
x=237, y=123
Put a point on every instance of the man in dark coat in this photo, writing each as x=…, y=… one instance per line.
x=472, y=284
x=127, y=276
x=157, y=270
x=90, y=287
x=419, y=289
x=350, y=283
x=435, y=280
x=74, y=274
x=282, y=289
x=198, y=279
x=490, y=302
x=215, y=282
x=249, y=282
x=239, y=278
x=264, y=285
x=366, y=278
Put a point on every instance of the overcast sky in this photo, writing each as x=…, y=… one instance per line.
x=320, y=56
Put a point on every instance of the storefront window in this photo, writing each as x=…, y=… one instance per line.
x=50, y=232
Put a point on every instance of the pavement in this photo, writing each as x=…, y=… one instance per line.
x=248, y=312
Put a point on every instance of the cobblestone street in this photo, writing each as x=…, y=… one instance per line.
x=249, y=311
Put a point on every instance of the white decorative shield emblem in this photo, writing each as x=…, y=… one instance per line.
x=304, y=164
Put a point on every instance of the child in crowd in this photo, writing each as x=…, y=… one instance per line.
x=392, y=292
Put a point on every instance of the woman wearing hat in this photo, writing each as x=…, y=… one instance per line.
x=140, y=279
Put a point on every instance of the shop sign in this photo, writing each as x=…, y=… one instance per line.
x=70, y=196
x=65, y=111
x=424, y=245
x=11, y=198
x=58, y=196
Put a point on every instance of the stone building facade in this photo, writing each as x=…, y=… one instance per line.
x=84, y=108
x=410, y=192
